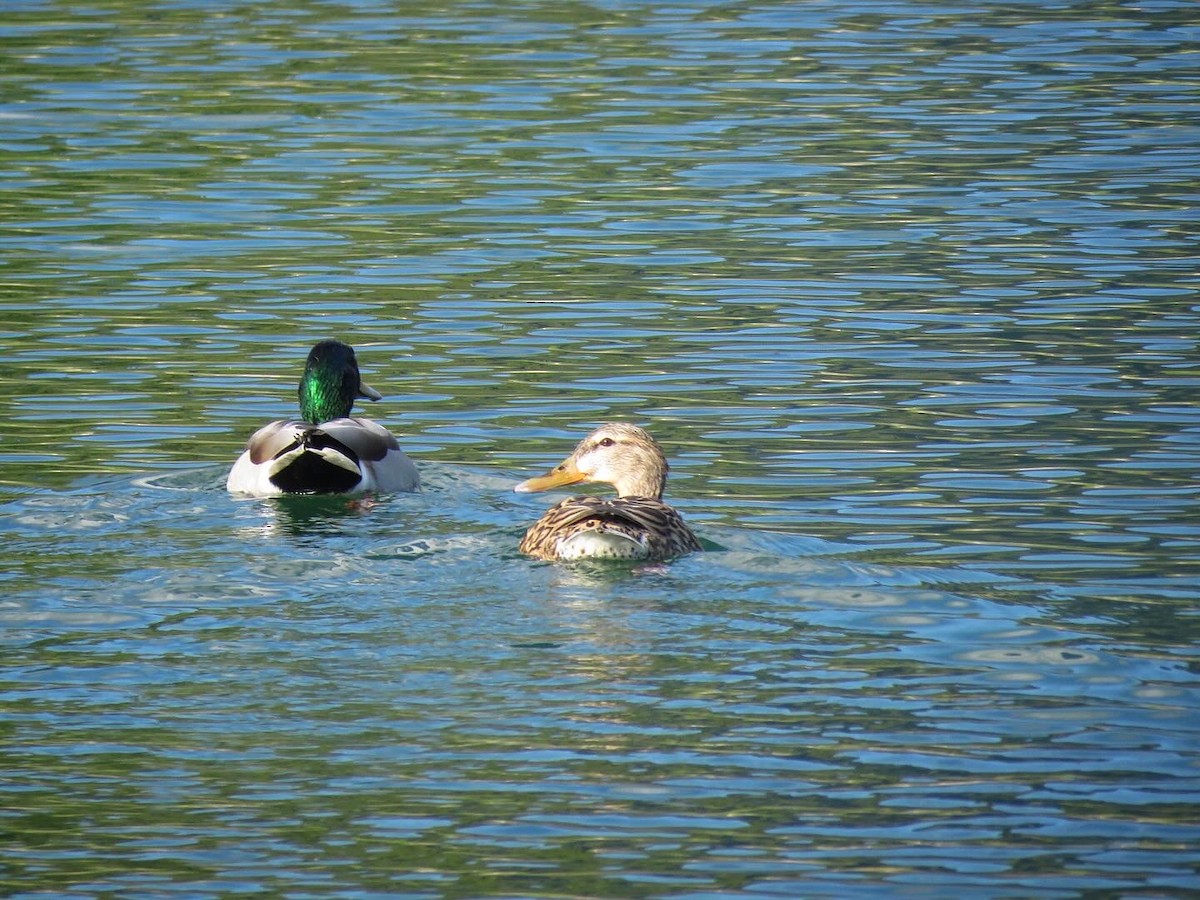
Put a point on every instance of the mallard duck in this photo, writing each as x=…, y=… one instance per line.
x=636, y=524
x=326, y=451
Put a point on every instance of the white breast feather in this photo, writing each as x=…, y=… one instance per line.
x=593, y=544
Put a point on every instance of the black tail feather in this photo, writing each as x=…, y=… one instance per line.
x=311, y=473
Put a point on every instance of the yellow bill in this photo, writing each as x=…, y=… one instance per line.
x=563, y=473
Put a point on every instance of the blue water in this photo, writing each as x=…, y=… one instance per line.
x=908, y=293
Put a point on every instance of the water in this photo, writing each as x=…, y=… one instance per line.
x=908, y=293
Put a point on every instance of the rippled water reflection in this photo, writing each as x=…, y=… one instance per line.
x=907, y=291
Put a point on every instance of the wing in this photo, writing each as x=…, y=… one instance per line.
x=290, y=457
x=340, y=456
x=273, y=439
x=627, y=527
x=369, y=440
x=383, y=464
x=251, y=473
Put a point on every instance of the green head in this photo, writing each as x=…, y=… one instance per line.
x=331, y=383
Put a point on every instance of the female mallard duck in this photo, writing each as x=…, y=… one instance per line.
x=636, y=524
x=326, y=451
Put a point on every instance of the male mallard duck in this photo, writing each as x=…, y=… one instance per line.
x=326, y=451
x=636, y=524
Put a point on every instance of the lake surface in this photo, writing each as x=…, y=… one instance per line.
x=907, y=291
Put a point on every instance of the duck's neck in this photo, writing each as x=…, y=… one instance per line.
x=648, y=482
x=323, y=396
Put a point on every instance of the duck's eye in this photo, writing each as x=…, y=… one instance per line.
x=606, y=442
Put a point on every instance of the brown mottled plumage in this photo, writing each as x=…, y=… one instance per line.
x=634, y=525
